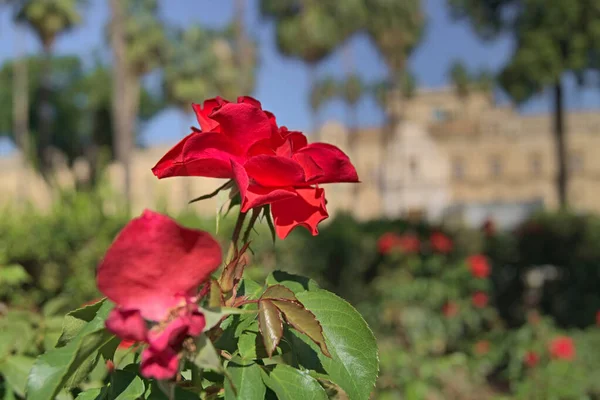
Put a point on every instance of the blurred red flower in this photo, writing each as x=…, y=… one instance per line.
x=479, y=266
x=480, y=299
x=409, y=243
x=482, y=347
x=562, y=348
x=531, y=359
x=151, y=272
x=450, y=309
x=269, y=164
x=390, y=241
x=598, y=318
x=440, y=243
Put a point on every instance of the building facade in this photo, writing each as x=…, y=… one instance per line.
x=447, y=154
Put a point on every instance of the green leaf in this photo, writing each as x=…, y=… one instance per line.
x=270, y=324
x=76, y=320
x=289, y=383
x=53, y=306
x=156, y=393
x=249, y=288
x=247, y=381
x=214, y=315
x=15, y=370
x=13, y=275
x=250, y=345
x=126, y=385
x=226, y=185
x=93, y=394
x=8, y=392
x=304, y=321
x=278, y=292
x=295, y=283
x=53, y=369
x=354, y=362
x=207, y=356
x=269, y=218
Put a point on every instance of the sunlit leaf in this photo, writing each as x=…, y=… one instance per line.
x=354, y=362
x=247, y=381
x=270, y=325
x=289, y=383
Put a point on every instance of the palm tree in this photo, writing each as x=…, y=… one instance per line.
x=48, y=19
x=138, y=41
x=461, y=79
x=395, y=27
x=311, y=31
x=321, y=92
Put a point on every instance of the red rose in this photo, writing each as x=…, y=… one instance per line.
x=450, y=309
x=440, y=243
x=562, y=348
x=390, y=241
x=409, y=243
x=598, y=318
x=151, y=272
x=479, y=266
x=482, y=347
x=269, y=164
x=531, y=359
x=386, y=242
x=479, y=299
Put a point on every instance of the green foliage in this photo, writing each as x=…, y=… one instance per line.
x=48, y=18
x=146, y=42
x=202, y=64
x=322, y=91
x=59, y=249
x=81, y=101
x=396, y=27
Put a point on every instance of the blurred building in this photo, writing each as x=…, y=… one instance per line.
x=450, y=156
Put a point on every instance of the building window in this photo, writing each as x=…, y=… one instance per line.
x=576, y=162
x=496, y=166
x=458, y=169
x=440, y=115
x=536, y=164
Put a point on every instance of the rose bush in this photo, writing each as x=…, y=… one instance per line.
x=197, y=335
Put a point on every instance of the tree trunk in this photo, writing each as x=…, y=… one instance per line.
x=45, y=113
x=352, y=138
x=243, y=47
x=119, y=93
x=132, y=107
x=312, y=72
x=21, y=112
x=561, y=150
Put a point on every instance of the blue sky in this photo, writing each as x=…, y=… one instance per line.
x=282, y=83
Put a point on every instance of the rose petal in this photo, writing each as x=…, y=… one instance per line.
x=254, y=195
x=202, y=113
x=127, y=324
x=249, y=100
x=335, y=164
x=159, y=365
x=153, y=263
x=243, y=123
x=171, y=335
x=307, y=210
x=274, y=171
x=199, y=154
